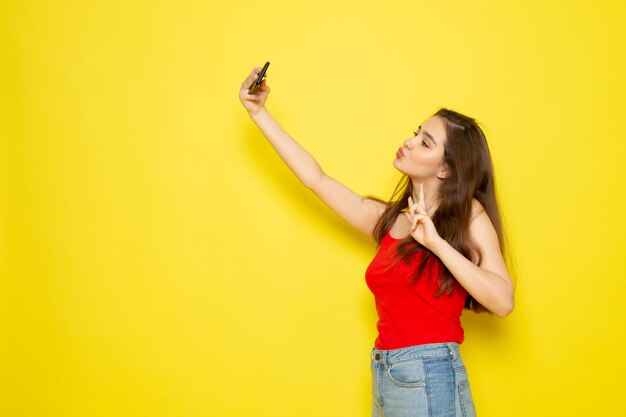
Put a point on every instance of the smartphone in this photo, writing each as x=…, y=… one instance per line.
x=255, y=85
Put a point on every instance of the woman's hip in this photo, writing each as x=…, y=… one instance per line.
x=422, y=380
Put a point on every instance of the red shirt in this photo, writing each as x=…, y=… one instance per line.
x=409, y=314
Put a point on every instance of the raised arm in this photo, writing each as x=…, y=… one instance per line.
x=356, y=210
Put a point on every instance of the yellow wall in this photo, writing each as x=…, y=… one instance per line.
x=158, y=259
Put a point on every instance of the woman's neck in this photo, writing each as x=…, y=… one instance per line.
x=430, y=196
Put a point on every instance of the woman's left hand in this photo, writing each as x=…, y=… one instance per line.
x=422, y=226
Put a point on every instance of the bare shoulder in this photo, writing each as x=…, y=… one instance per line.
x=481, y=228
x=477, y=208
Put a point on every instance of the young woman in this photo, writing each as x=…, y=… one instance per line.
x=440, y=250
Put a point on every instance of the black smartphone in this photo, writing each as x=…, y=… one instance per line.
x=255, y=85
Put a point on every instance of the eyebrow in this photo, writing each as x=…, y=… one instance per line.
x=428, y=134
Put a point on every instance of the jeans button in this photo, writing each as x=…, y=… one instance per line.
x=377, y=356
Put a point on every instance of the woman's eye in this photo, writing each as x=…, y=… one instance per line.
x=423, y=142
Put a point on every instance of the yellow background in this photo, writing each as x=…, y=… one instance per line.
x=158, y=259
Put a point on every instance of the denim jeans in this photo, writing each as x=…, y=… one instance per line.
x=427, y=380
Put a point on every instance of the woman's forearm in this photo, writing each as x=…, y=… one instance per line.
x=298, y=159
x=488, y=288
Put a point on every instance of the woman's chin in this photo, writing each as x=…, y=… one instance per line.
x=396, y=165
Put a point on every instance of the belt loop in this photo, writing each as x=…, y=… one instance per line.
x=452, y=351
x=372, y=354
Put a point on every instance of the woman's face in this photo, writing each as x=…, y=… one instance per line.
x=421, y=156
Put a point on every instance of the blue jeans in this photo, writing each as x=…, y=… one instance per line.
x=427, y=380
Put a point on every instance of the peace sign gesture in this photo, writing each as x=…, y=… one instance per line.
x=422, y=226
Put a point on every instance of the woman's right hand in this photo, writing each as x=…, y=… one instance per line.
x=254, y=102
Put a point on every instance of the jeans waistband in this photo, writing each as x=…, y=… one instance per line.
x=429, y=350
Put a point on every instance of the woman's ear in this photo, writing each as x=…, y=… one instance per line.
x=444, y=171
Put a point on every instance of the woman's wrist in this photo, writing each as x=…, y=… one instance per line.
x=259, y=113
x=438, y=246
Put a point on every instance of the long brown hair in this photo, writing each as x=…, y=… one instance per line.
x=471, y=176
